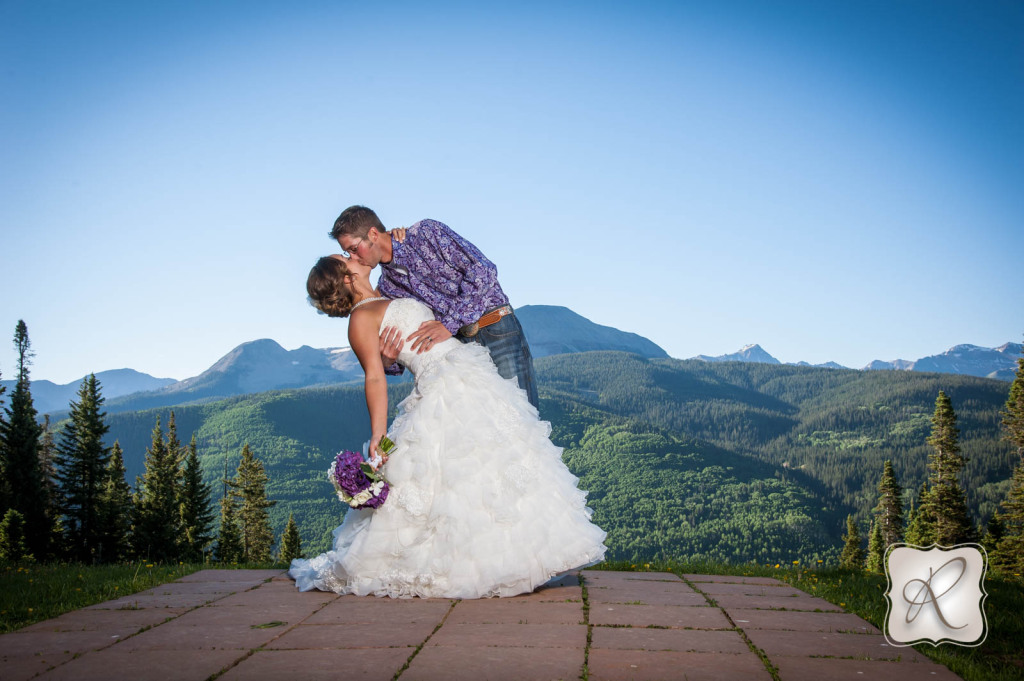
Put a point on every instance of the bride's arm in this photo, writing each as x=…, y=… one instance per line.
x=362, y=336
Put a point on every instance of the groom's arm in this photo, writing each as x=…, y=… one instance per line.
x=478, y=275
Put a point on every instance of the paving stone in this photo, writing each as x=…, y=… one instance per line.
x=555, y=595
x=25, y=654
x=254, y=576
x=267, y=596
x=509, y=635
x=634, y=576
x=726, y=588
x=633, y=665
x=817, y=644
x=809, y=603
x=211, y=628
x=734, y=579
x=24, y=667
x=646, y=593
x=367, y=664
x=680, y=640
x=693, y=617
x=155, y=665
x=339, y=636
x=19, y=644
x=371, y=610
x=794, y=620
x=508, y=611
x=119, y=622
x=214, y=588
x=816, y=669
x=139, y=601
x=494, y=664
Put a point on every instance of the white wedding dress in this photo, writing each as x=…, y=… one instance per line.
x=480, y=502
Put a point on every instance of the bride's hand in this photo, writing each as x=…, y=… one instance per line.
x=398, y=234
x=428, y=335
x=376, y=451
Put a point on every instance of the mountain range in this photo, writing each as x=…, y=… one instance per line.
x=262, y=365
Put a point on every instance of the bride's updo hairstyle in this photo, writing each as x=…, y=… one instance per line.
x=326, y=287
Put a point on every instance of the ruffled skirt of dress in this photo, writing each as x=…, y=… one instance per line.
x=480, y=505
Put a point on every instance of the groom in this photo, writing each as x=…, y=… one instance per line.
x=449, y=275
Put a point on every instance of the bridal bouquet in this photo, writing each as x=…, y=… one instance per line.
x=358, y=483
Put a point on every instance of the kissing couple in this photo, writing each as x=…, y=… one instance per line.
x=481, y=503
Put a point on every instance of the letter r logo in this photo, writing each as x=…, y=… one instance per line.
x=936, y=595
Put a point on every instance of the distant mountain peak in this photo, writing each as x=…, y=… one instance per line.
x=748, y=353
x=972, y=360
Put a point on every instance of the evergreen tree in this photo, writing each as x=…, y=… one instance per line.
x=853, y=555
x=1010, y=549
x=229, y=538
x=952, y=522
x=921, y=528
x=12, y=537
x=994, y=532
x=1013, y=413
x=157, y=493
x=82, y=471
x=889, y=511
x=48, y=469
x=116, y=511
x=20, y=434
x=5, y=499
x=291, y=542
x=250, y=486
x=195, y=508
x=876, y=549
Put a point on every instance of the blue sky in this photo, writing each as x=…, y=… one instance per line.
x=835, y=181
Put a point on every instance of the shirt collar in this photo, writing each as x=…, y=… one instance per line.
x=396, y=251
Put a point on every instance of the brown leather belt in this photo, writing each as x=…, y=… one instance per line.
x=494, y=316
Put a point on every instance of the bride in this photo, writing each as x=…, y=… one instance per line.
x=480, y=503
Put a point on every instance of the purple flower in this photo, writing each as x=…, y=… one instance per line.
x=356, y=482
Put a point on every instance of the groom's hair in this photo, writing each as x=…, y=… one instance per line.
x=356, y=221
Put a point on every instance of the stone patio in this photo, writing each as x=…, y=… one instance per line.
x=253, y=624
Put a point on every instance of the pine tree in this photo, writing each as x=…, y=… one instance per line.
x=82, y=471
x=952, y=522
x=1013, y=413
x=229, y=538
x=116, y=511
x=853, y=555
x=5, y=495
x=20, y=434
x=48, y=469
x=1010, y=549
x=250, y=486
x=889, y=511
x=12, y=537
x=195, y=508
x=921, y=528
x=876, y=549
x=291, y=542
x=1009, y=552
x=157, y=493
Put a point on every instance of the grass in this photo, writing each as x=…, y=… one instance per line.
x=999, y=658
x=31, y=592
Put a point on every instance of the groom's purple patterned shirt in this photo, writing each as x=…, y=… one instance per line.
x=445, y=272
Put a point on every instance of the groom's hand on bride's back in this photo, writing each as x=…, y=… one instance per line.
x=391, y=344
x=428, y=335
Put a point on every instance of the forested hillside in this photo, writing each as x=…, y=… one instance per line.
x=688, y=459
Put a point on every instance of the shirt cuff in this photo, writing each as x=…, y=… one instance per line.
x=395, y=369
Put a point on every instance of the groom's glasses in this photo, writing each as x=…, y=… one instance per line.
x=355, y=245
